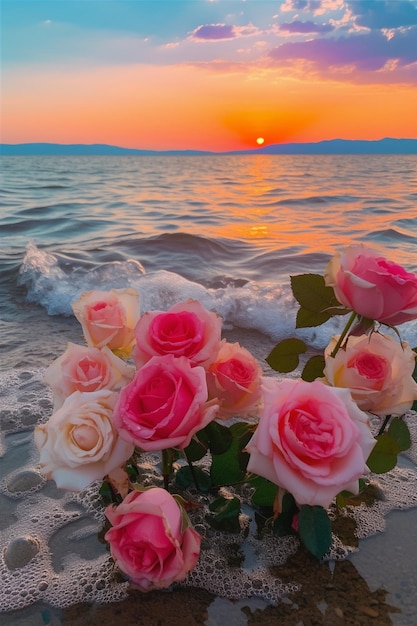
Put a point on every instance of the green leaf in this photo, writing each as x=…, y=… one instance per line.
x=306, y=318
x=265, y=491
x=317, y=301
x=184, y=478
x=230, y=467
x=283, y=523
x=383, y=457
x=285, y=356
x=214, y=437
x=108, y=494
x=414, y=407
x=398, y=430
x=219, y=437
x=225, y=514
x=313, y=368
x=195, y=450
x=314, y=529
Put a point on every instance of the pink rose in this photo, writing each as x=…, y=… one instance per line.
x=108, y=318
x=147, y=541
x=372, y=286
x=378, y=371
x=187, y=329
x=312, y=440
x=235, y=380
x=164, y=405
x=79, y=444
x=81, y=368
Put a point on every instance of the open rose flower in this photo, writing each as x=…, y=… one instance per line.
x=378, y=371
x=187, y=329
x=108, y=318
x=79, y=443
x=312, y=440
x=147, y=541
x=81, y=368
x=372, y=286
x=234, y=378
x=164, y=405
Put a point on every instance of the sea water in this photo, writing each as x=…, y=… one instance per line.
x=228, y=231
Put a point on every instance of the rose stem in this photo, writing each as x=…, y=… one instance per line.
x=385, y=422
x=344, y=333
x=193, y=474
x=166, y=467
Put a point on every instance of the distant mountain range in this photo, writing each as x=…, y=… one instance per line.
x=334, y=146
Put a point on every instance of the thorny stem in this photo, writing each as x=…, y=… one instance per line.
x=344, y=333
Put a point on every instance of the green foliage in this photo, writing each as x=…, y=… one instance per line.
x=186, y=478
x=265, y=491
x=313, y=368
x=285, y=356
x=132, y=471
x=219, y=437
x=109, y=496
x=197, y=447
x=398, y=430
x=414, y=407
x=283, y=523
x=383, y=457
x=346, y=497
x=224, y=514
x=214, y=437
x=230, y=467
x=317, y=301
x=314, y=529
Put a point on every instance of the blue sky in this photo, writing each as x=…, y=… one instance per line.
x=344, y=55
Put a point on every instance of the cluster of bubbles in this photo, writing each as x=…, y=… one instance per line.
x=49, y=537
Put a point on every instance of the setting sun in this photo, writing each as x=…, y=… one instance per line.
x=260, y=141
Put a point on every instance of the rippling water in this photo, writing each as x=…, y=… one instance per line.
x=228, y=231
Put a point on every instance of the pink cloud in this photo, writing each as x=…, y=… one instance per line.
x=214, y=32
x=366, y=52
x=305, y=27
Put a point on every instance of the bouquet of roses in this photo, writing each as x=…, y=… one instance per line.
x=166, y=382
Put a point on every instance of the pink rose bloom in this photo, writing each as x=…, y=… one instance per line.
x=312, y=440
x=81, y=368
x=378, y=371
x=235, y=380
x=79, y=444
x=147, y=541
x=187, y=329
x=108, y=318
x=164, y=405
x=372, y=286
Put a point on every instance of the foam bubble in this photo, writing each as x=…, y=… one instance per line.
x=49, y=546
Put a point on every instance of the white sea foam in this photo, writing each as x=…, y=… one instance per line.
x=265, y=307
x=49, y=548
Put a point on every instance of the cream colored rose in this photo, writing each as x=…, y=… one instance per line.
x=234, y=378
x=79, y=443
x=108, y=318
x=81, y=368
x=378, y=371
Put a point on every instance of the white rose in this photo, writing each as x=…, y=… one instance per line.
x=79, y=443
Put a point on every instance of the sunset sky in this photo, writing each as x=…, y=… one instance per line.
x=207, y=74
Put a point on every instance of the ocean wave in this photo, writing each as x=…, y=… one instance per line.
x=266, y=307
